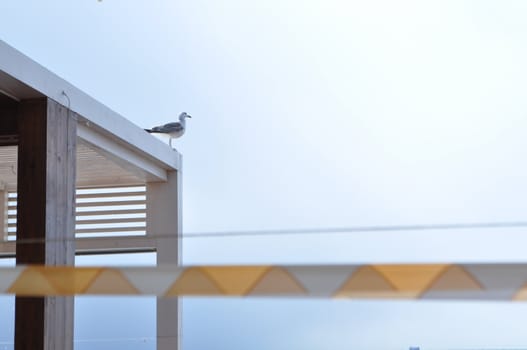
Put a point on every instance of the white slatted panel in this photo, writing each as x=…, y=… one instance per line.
x=93, y=169
x=101, y=212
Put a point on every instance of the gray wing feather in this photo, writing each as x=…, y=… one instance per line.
x=167, y=128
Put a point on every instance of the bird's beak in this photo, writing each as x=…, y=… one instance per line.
x=189, y=116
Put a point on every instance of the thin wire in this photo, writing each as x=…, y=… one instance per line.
x=357, y=229
x=290, y=232
x=69, y=101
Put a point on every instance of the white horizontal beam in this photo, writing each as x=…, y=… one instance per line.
x=101, y=245
x=123, y=156
x=96, y=245
x=22, y=78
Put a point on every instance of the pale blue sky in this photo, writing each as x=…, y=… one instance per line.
x=319, y=114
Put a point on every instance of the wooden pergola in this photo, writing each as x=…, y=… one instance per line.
x=62, y=155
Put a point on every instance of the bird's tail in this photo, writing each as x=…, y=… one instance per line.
x=149, y=130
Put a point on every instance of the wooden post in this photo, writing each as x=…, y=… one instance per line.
x=45, y=218
x=163, y=219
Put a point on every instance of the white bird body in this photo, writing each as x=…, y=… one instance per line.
x=174, y=129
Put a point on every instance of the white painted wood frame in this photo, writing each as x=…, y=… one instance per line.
x=165, y=225
x=106, y=141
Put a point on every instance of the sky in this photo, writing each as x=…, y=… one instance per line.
x=315, y=114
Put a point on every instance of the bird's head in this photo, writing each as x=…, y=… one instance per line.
x=184, y=115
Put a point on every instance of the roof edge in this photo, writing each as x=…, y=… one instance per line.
x=21, y=78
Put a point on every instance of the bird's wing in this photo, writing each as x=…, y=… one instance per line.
x=167, y=128
x=172, y=127
x=156, y=129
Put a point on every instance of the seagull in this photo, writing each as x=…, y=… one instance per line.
x=174, y=129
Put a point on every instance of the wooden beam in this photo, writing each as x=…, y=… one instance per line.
x=125, y=157
x=97, y=245
x=22, y=78
x=163, y=219
x=45, y=218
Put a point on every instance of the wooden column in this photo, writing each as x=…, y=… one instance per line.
x=163, y=219
x=45, y=218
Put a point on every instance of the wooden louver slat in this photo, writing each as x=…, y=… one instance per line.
x=100, y=211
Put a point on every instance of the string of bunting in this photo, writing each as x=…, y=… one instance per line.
x=407, y=281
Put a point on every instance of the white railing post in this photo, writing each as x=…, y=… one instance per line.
x=163, y=222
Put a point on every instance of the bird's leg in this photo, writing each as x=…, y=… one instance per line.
x=170, y=142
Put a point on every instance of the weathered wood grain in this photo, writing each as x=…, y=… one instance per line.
x=46, y=215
